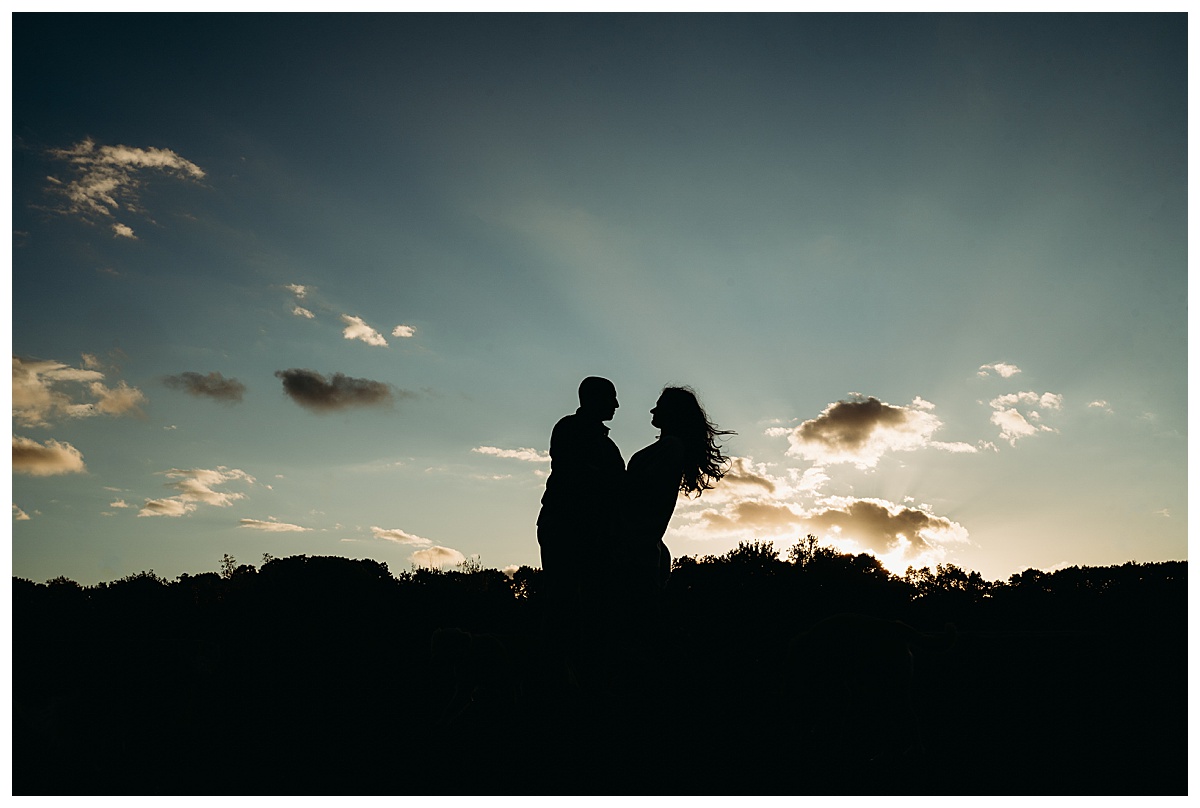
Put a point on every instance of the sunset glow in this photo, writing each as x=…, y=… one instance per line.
x=309, y=286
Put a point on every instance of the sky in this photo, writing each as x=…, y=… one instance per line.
x=323, y=285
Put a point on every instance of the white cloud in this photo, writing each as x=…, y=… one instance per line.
x=172, y=506
x=436, y=557
x=271, y=525
x=1001, y=369
x=118, y=400
x=528, y=455
x=123, y=231
x=359, y=330
x=1015, y=424
x=120, y=503
x=299, y=291
x=196, y=486
x=19, y=515
x=44, y=389
x=45, y=460
x=403, y=331
x=108, y=177
x=300, y=311
x=1101, y=405
x=399, y=536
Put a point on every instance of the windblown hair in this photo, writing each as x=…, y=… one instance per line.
x=704, y=465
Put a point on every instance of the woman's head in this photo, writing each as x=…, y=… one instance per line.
x=678, y=413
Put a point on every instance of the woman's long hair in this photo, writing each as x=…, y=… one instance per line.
x=703, y=464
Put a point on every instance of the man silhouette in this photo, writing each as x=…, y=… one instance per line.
x=577, y=518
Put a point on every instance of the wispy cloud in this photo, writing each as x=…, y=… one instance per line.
x=1019, y=415
x=171, y=506
x=271, y=525
x=313, y=391
x=359, y=330
x=528, y=455
x=196, y=486
x=743, y=474
x=43, y=390
x=212, y=385
x=300, y=311
x=1001, y=369
x=19, y=515
x=437, y=557
x=399, y=536
x=1101, y=405
x=107, y=178
x=45, y=459
x=119, y=400
x=862, y=430
x=298, y=290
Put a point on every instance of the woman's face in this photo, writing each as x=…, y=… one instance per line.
x=663, y=414
x=656, y=413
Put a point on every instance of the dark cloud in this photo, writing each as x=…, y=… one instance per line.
x=214, y=385
x=751, y=513
x=313, y=391
x=880, y=527
x=849, y=424
x=861, y=430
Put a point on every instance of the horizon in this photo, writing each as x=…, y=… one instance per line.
x=323, y=286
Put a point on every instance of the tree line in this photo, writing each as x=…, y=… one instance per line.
x=312, y=674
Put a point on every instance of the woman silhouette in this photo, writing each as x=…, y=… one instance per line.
x=684, y=459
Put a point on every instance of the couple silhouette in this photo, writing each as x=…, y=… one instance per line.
x=601, y=524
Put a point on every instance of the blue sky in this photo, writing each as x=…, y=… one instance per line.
x=288, y=284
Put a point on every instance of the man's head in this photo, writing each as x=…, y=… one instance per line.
x=598, y=397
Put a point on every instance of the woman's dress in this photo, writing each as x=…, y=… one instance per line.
x=653, y=478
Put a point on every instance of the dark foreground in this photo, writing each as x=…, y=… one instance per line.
x=201, y=687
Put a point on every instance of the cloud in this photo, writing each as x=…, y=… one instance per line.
x=753, y=514
x=437, y=557
x=119, y=400
x=196, y=486
x=108, y=177
x=120, y=503
x=403, y=331
x=300, y=311
x=312, y=391
x=1015, y=424
x=528, y=455
x=43, y=390
x=272, y=526
x=45, y=460
x=399, y=536
x=19, y=515
x=861, y=430
x=299, y=291
x=359, y=330
x=166, y=507
x=214, y=385
x=743, y=474
x=883, y=528
x=1101, y=405
x=1001, y=369
x=123, y=231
